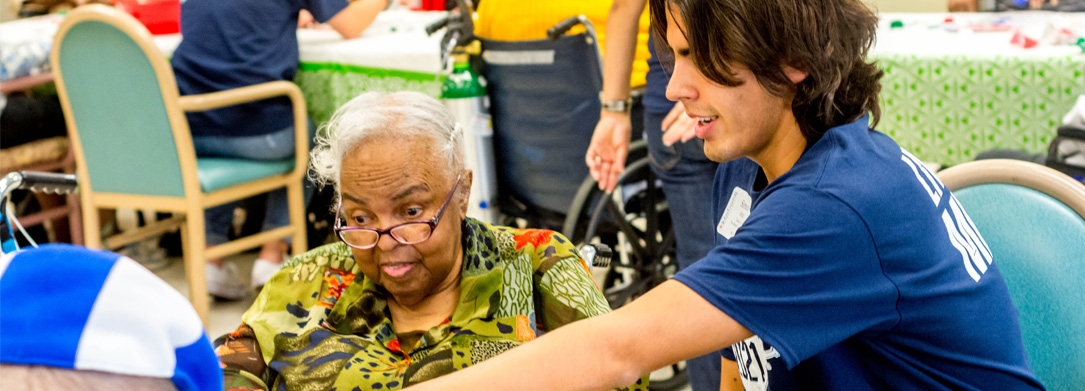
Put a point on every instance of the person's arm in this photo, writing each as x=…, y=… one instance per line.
x=730, y=379
x=610, y=141
x=352, y=20
x=668, y=324
x=241, y=359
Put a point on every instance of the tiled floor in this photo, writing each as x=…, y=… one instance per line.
x=225, y=316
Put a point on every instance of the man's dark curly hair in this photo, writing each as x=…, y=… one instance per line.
x=827, y=39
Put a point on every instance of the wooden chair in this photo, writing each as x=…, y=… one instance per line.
x=1033, y=219
x=133, y=147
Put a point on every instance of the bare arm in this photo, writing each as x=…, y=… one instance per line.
x=610, y=141
x=668, y=324
x=351, y=21
x=730, y=379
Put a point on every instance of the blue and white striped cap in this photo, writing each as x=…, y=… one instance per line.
x=71, y=307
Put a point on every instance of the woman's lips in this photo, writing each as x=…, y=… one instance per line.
x=397, y=270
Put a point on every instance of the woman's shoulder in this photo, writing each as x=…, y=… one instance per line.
x=542, y=247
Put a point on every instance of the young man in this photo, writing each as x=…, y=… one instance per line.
x=841, y=262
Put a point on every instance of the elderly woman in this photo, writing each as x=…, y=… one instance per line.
x=415, y=289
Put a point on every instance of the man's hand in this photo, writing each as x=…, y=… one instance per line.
x=305, y=19
x=677, y=126
x=609, y=146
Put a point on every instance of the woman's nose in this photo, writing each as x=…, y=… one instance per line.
x=386, y=242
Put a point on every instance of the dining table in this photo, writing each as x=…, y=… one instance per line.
x=956, y=84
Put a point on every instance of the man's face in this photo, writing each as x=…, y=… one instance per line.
x=740, y=121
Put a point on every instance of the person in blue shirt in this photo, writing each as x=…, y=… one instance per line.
x=237, y=43
x=841, y=262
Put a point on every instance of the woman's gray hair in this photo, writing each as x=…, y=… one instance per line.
x=403, y=114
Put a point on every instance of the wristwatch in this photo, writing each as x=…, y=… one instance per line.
x=618, y=105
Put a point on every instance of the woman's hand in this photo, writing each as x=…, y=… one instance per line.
x=608, y=149
x=677, y=126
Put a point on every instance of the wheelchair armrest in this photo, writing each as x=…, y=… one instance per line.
x=596, y=254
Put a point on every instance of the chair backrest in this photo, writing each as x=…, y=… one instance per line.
x=1033, y=219
x=120, y=99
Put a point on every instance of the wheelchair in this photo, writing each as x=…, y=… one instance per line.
x=635, y=222
x=544, y=104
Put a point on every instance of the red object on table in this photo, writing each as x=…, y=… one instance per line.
x=1023, y=40
x=159, y=16
x=433, y=5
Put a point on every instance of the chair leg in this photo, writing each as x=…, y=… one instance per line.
x=193, y=241
x=296, y=199
x=92, y=230
x=75, y=219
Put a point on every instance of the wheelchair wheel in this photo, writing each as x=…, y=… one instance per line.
x=635, y=222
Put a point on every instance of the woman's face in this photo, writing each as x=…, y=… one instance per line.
x=389, y=181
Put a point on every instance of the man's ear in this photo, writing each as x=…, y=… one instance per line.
x=795, y=75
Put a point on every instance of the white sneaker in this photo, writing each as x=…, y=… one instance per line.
x=223, y=282
x=263, y=270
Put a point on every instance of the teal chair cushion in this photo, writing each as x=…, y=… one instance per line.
x=1038, y=244
x=220, y=173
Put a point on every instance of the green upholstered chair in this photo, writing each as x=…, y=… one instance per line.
x=1033, y=219
x=133, y=147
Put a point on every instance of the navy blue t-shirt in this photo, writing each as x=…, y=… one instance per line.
x=235, y=43
x=858, y=270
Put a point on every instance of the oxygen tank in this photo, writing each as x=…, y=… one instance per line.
x=464, y=93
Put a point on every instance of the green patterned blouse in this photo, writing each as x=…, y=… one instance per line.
x=320, y=324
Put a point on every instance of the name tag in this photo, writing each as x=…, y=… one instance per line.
x=735, y=214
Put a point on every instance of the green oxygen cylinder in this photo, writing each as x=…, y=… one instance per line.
x=464, y=93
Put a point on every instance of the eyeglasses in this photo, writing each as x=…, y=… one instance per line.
x=406, y=233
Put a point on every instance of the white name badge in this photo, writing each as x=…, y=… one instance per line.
x=735, y=214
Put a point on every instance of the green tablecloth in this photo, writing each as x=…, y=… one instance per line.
x=947, y=109
x=944, y=109
x=327, y=86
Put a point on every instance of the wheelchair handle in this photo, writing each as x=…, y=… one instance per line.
x=559, y=30
x=563, y=26
x=439, y=24
x=40, y=182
